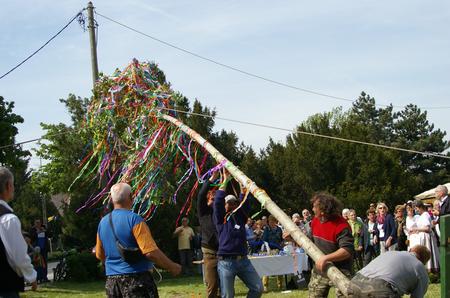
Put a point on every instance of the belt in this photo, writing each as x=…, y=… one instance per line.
x=232, y=257
x=130, y=275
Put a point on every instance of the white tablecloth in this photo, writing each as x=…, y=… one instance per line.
x=279, y=265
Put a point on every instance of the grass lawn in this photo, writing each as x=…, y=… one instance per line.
x=191, y=287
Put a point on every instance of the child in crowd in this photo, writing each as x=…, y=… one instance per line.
x=39, y=264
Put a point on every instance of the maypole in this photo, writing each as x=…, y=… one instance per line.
x=336, y=276
x=136, y=139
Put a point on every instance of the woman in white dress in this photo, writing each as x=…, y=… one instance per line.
x=425, y=236
x=411, y=222
x=435, y=218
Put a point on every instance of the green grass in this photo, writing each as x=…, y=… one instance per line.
x=191, y=287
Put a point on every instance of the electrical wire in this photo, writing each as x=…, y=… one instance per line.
x=247, y=72
x=46, y=43
x=38, y=139
x=433, y=154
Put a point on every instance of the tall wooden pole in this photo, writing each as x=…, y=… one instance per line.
x=93, y=42
x=336, y=276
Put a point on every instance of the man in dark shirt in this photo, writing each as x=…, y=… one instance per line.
x=209, y=243
x=442, y=195
x=230, y=223
x=333, y=236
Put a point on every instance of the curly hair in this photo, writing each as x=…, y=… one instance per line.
x=327, y=204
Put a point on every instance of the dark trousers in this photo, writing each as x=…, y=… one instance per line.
x=358, y=260
x=139, y=285
x=369, y=254
x=186, y=260
x=10, y=294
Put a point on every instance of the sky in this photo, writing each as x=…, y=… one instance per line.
x=395, y=51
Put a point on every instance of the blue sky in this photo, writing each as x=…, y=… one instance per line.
x=397, y=51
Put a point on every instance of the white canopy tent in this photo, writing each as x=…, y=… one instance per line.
x=429, y=194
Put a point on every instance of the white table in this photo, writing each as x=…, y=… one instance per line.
x=280, y=264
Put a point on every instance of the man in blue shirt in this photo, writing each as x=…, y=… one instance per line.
x=128, y=279
x=232, y=253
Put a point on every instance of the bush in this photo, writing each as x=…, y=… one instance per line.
x=83, y=267
x=56, y=255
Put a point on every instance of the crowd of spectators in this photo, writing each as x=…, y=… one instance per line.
x=374, y=233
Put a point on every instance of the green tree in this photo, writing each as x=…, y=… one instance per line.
x=63, y=147
x=413, y=131
x=11, y=155
x=356, y=174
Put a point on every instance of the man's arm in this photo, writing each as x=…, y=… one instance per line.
x=445, y=208
x=162, y=261
x=192, y=234
x=219, y=207
x=99, y=251
x=148, y=247
x=202, y=200
x=339, y=255
x=177, y=231
x=16, y=248
x=345, y=251
x=421, y=285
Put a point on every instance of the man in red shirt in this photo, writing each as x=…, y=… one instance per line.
x=333, y=236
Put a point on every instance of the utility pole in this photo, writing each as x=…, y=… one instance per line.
x=92, y=41
x=44, y=203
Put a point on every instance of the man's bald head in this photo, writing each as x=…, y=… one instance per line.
x=120, y=193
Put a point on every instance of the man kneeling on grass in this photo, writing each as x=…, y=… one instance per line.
x=125, y=244
x=394, y=274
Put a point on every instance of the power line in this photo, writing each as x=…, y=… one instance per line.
x=37, y=139
x=78, y=15
x=434, y=154
x=314, y=134
x=244, y=71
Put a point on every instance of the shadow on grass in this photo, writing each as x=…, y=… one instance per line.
x=68, y=289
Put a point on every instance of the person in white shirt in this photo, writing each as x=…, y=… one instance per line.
x=15, y=264
x=425, y=236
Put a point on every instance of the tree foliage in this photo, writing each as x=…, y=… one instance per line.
x=12, y=156
x=290, y=171
x=357, y=174
x=64, y=146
